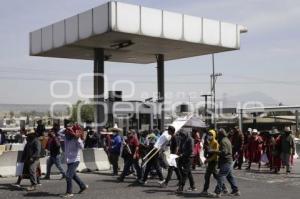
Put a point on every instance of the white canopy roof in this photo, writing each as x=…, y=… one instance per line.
x=134, y=34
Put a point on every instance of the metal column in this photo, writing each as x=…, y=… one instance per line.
x=297, y=120
x=99, y=87
x=161, y=88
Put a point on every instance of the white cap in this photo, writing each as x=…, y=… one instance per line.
x=255, y=131
x=287, y=129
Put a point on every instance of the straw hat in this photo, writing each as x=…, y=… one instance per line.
x=115, y=129
x=274, y=132
x=31, y=131
x=105, y=132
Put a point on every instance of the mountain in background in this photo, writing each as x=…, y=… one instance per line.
x=256, y=96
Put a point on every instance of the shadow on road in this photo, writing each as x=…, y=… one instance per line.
x=9, y=187
x=41, y=194
x=151, y=191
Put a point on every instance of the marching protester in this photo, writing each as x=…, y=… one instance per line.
x=40, y=129
x=185, y=153
x=255, y=149
x=153, y=163
x=92, y=139
x=287, y=148
x=196, y=149
x=2, y=137
x=212, y=162
x=73, y=144
x=247, y=136
x=174, y=145
x=30, y=160
x=53, y=146
x=225, y=164
x=273, y=150
x=237, y=140
x=131, y=156
x=115, y=149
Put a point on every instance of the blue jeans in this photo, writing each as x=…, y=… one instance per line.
x=57, y=161
x=72, y=175
x=225, y=172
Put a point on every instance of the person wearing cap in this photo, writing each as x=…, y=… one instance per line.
x=33, y=153
x=255, y=148
x=225, y=164
x=115, y=149
x=30, y=164
x=287, y=148
x=153, y=163
x=275, y=160
x=131, y=156
x=185, y=159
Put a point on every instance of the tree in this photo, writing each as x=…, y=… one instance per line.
x=86, y=112
x=11, y=114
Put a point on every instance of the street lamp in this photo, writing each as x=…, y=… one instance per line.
x=205, y=109
x=213, y=80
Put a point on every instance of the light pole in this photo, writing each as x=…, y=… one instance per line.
x=205, y=109
x=213, y=80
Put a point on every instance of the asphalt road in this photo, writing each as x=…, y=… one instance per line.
x=253, y=185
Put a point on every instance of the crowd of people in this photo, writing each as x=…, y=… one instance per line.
x=273, y=148
x=222, y=152
x=140, y=156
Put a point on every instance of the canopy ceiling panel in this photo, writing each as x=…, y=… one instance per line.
x=134, y=34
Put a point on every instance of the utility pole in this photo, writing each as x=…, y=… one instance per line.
x=205, y=109
x=213, y=80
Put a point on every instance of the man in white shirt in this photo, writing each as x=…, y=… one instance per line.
x=73, y=145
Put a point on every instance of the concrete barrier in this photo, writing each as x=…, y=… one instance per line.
x=2, y=149
x=95, y=159
x=8, y=162
x=90, y=160
x=17, y=147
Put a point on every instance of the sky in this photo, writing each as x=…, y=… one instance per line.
x=267, y=63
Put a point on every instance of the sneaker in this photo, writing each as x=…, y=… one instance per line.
x=191, y=189
x=16, y=185
x=83, y=189
x=120, y=179
x=31, y=188
x=46, y=178
x=225, y=192
x=39, y=184
x=161, y=182
x=204, y=193
x=141, y=182
x=68, y=195
x=179, y=190
x=235, y=193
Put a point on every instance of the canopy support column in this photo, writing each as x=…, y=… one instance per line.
x=99, y=88
x=161, y=89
